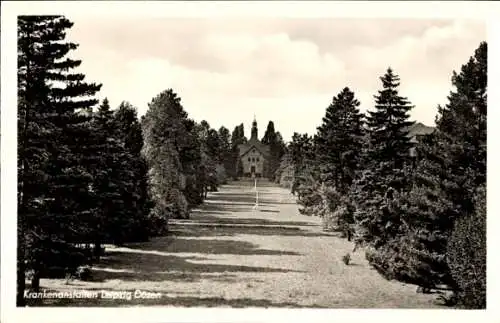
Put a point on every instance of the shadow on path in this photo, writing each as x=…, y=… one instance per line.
x=223, y=230
x=140, y=266
x=213, y=218
x=163, y=259
x=208, y=246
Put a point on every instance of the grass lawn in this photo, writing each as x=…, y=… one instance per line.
x=229, y=254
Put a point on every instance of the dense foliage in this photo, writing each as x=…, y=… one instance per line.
x=139, y=203
x=466, y=255
x=55, y=150
x=91, y=175
x=339, y=141
x=165, y=134
x=408, y=197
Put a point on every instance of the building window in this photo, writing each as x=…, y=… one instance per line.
x=249, y=159
x=257, y=158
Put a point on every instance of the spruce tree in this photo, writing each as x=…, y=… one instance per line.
x=430, y=247
x=339, y=141
x=387, y=155
x=125, y=172
x=338, y=146
x=55, y=146
x=388, y=125
x=129, y=132
x=442, y=202
x=225, y=151
x=113, y=182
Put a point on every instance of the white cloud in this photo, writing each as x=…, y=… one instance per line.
x=285, y=70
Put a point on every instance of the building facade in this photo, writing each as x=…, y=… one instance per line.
x=253, y=155
x=416, y=132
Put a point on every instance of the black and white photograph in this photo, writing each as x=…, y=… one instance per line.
x=243, y=159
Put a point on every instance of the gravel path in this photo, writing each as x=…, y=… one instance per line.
x=229, y=254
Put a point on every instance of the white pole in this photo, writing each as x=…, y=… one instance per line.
x=256, y=195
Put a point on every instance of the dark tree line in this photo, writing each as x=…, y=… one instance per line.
x=90, y=175
x=82, y=179
x=56, y=147
x=186, y=159
x=418, y=206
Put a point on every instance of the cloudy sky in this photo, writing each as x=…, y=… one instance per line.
x=286, y=70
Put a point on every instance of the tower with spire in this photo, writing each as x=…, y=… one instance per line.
x=255, y=132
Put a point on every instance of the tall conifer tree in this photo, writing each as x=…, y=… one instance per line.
x=448, y=179
x=55, y=146
x=340, y=140
x=129, y=132
x=387, y=155
x=112, y=181
x=441, y=236
x=388, y=125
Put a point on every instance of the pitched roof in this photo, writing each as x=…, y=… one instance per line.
x=246, y=147
x=419, y=129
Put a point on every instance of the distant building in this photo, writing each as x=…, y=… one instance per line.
x=416, y=132
x=253, y=154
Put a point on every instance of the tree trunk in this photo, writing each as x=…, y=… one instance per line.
x=35, y=281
